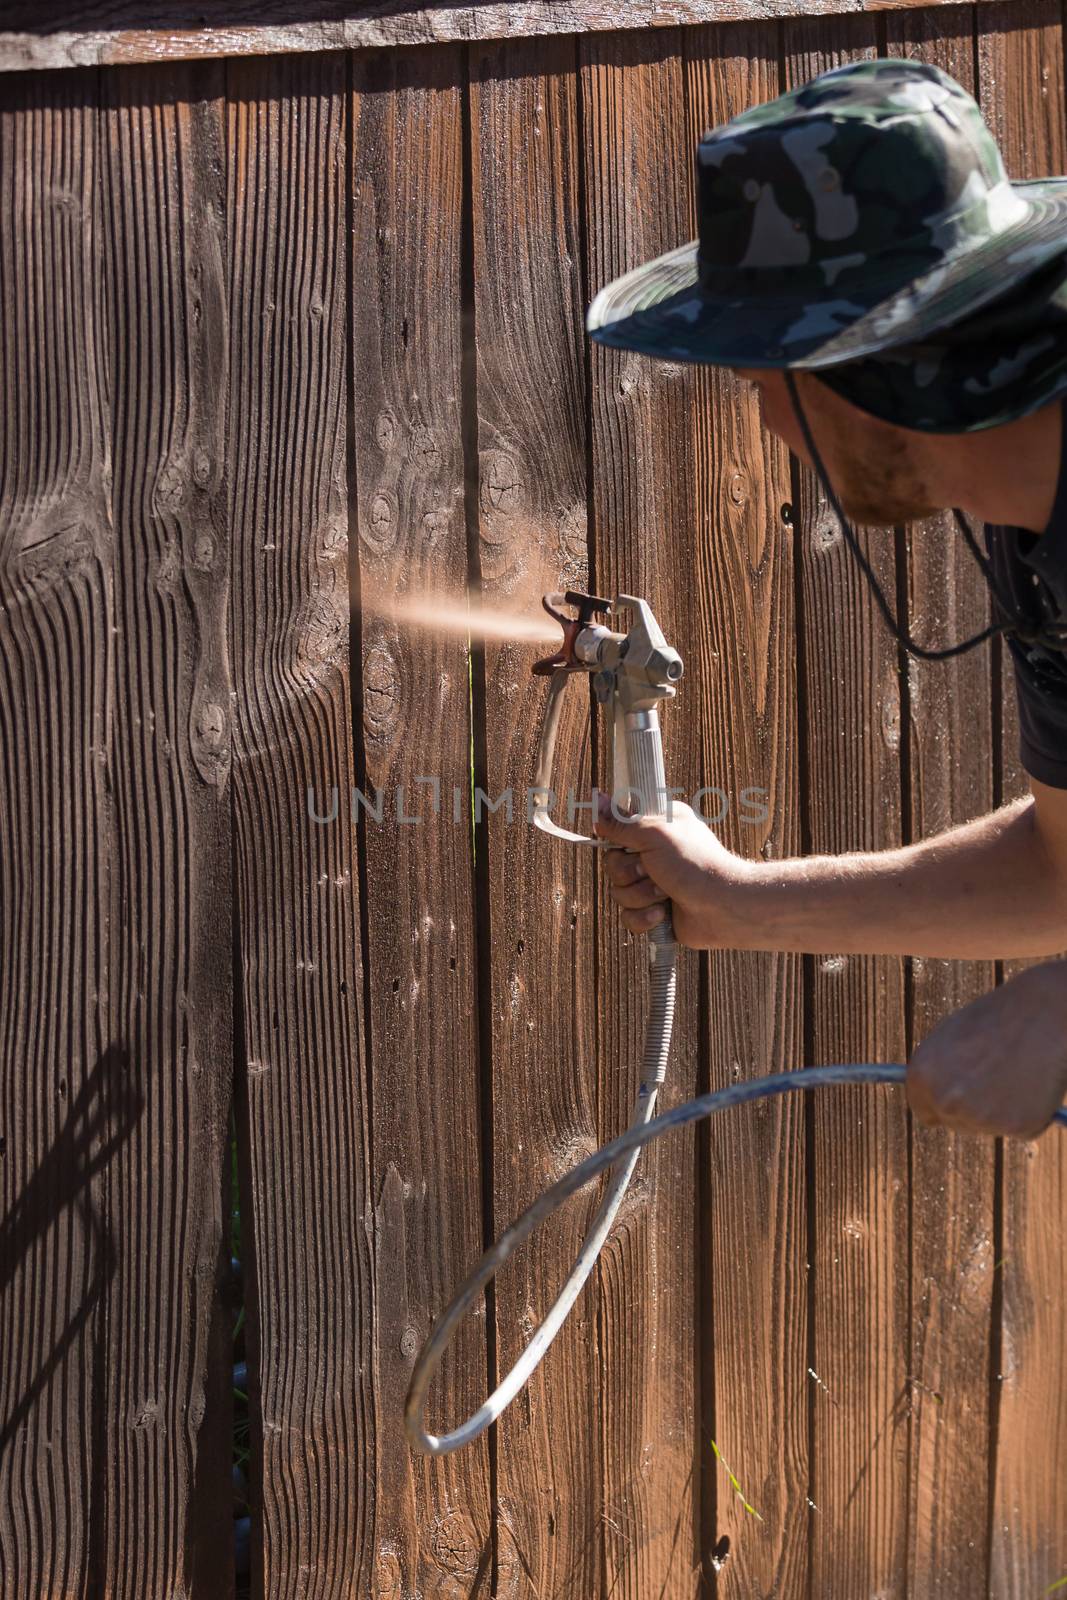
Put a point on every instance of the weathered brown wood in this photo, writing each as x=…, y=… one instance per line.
x=58, y=1077
x=756, y=1219
x=531, y=526
x=170, y=1522
x=107, y=32
x=950, y=771
x=1021, y=83
x=638, y=180
x=310, y=1218
x=434, y=1524
x=860, y=1221
x=173, y=368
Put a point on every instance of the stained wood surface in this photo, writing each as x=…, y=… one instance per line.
x=286, y=342
x=434, y=1524
x=530, y=522
x=308, y=1209
x=851, y=716
x=106, y=32
x=638, y=184
x=754, y=1202
x=59, y=1110
x=1021, y=83
x=170, y=988
x=116, y=994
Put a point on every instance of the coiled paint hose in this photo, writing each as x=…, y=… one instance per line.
x=620, y=1155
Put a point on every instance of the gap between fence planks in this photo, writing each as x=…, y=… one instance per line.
x=859, y=1151
x=530, y=536
x=109, y=33
x=434, y=1530
x=948, y=744
x=302, y=1094
x=638, y=178
x=754, y=1231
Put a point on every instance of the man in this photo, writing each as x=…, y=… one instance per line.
x=902, y=308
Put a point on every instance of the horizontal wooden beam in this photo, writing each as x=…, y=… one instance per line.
x=107, y=34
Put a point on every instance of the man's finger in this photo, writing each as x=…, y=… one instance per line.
x=631, y=832
x=642, y=893
x=622, y=867
x=641, y=921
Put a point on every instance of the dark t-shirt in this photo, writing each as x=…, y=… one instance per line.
x=1031, y=572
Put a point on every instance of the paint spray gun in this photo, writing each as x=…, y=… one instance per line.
x=631, y=673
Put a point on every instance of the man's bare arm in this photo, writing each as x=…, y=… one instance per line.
x=992, y=888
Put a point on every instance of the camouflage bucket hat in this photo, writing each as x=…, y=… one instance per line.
x=864, y=210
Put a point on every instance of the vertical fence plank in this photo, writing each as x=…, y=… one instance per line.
x=751, y=734
x=638, y=169
x=860, y=1221
x=950, y=779
x=1021, y=82
x=304, y=1095
x=61, y=1073
x=170, y=1006
x=434, y=1522
x=532, y=538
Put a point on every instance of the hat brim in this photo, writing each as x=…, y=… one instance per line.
x=660, y=309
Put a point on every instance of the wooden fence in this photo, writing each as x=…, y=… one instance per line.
x=292, y=330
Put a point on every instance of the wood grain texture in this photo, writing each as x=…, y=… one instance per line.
x=109, y=32
x=434, y=1525
x=196, y=264
x=638, y=183
x=309, y=1212
x=65, y=1123
x=531, y=538
x=1021, y=84
x=756, y=1218
x=169, y=981
x=860, y=1173
x=950, y=778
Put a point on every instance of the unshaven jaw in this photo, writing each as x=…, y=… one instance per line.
x=875, y=467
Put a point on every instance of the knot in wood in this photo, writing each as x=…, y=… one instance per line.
x=436, y=526
x=211, y=723
x=204, y=552
x=210, y=744
x=381, y=693
x=385, y=430
x=502, y=485
x=324, y=632
x=379, y=531
x=423, y=450
x=454, y=1543
x=169, y=489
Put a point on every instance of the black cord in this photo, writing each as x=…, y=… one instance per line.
x=1012, y=624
